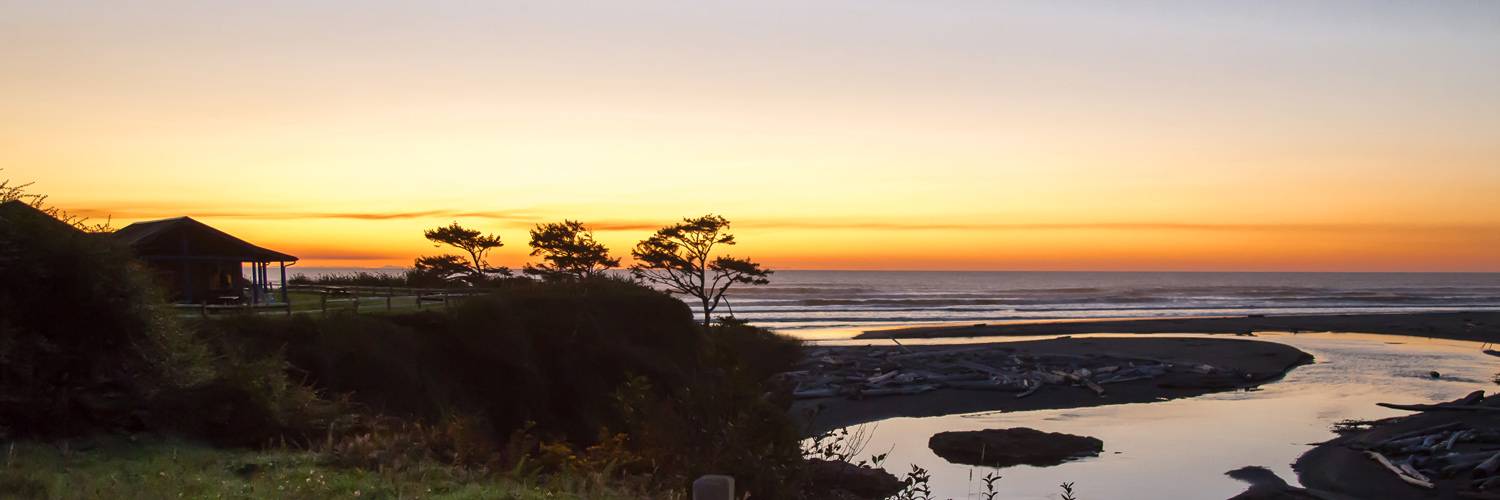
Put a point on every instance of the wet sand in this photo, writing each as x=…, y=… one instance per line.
x=1475, y=326
x=1263, y=361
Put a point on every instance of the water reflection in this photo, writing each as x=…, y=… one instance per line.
x=1182, y=448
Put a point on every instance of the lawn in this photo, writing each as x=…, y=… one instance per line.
x=119, y=469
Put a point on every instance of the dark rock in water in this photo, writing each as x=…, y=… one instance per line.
x=1434, y=374
x=1007, y=447
x=843, y=480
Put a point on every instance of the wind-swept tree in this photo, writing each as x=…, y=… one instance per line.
x=568, y=251
x=681, y=258
x=474, y=267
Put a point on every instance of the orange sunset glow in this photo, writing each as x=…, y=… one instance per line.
x=1265, y=136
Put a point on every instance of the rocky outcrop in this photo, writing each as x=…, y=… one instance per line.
x=1007, y=447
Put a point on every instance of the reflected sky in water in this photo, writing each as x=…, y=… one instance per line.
x=1182, y=448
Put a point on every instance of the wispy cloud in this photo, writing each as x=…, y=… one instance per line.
x=834, y=225
x=152, y=213
x=1106, y=226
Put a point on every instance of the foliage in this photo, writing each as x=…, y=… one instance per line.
x=724, y=421
x=88, y=345
x=622, y=380
x=681, y=258
x=535, y=379
x=841, y=445
x=362, y=278
x=916, y=485
x=85, y=339
x=445, y=268
x=174, y=469
x=569, y=252
x=473, y=267
x=412, y=277
x=1067, y=493
x=990, y=493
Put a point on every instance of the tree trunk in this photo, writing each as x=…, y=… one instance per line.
x=707, y=315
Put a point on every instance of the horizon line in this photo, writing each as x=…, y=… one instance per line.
x=1008, y=270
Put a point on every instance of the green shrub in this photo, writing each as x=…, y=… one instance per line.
x=542, y=354
x=726, y=420
x=574, y=364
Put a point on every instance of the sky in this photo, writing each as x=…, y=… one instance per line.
x=870, y=134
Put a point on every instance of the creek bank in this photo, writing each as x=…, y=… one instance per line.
x=1266, y=485
x=1446, y=450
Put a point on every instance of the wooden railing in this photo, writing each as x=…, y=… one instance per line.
x=204, y=309
x=342, y=298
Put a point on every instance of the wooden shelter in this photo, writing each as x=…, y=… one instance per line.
x=198, y=264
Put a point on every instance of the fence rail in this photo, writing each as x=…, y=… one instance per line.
x=356, y=299
x=205, y=309
x=377, y=290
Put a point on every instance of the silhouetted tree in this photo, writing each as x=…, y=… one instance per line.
x=681, y=258
x=568, y=251
x=474, y=268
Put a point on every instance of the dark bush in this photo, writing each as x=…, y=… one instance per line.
x=726, y=420
x=412, y=278
x=570, y=361
x=550, y=354
x=84, y=338
x=603, y=367
x=88, y=345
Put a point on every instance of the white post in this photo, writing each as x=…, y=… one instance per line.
x=713, y=487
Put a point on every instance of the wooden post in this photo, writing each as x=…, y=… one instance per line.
x=389, y=292
x=445, y=300
x=323, y=302
x=203, y=308
x=254, y=283
x=283, y=288
x=356, y=303
x=713, y=487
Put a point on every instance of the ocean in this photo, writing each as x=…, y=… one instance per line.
x=797, y=300
x=844, y=299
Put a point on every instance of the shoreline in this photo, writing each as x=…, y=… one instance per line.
x=1477, y=326
x=1260, y=361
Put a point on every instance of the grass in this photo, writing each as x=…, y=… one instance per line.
x=118, y=469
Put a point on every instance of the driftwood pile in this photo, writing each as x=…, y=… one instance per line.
x=861, y=372
x=1452, y=450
